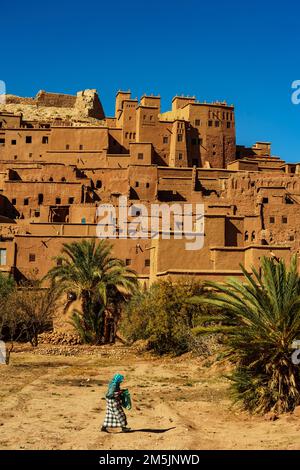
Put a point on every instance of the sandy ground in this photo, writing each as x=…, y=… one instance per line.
x=56, y=402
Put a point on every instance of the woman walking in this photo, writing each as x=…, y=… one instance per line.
x=115, y=416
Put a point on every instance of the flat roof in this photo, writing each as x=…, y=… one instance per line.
x=151, y=96
x=183, y=98
x=128, y=92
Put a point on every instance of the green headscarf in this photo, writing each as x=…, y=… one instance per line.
x=114, y=385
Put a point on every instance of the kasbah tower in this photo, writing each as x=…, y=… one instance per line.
x=61, y=157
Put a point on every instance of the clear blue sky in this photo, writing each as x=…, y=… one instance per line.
x=244, y=52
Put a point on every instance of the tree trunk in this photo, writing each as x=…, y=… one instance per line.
x=108, y=329
x=8, y=353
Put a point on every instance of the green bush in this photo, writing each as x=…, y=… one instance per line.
x=162, y=316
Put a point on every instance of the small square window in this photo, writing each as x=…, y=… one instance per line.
x=15, y=157
x=217, y=123
x=179, y=138
x=165, y=140
x=14, y=201
x=59, y=262
x=71, y=200
x=28, y=139
x=228, y=125
x=265, y=200
x=36, y=213
x=136, y=184
x=140, y=156
x=58, y=200
x=210, y=123
x=128, y=262
x=45, y=139
x=272, y=220
x=147, y=185
x=31, y=257
x=180, y=156
x=284, y=220
x=291, y=238
x=26, y=201
x=147, y=262
x=80, y=147
x=13, y=142
x=197, y=122
x=67, y=147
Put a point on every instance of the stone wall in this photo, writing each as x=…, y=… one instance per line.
x=57, y=100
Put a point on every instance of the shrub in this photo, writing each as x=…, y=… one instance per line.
x=162, y=316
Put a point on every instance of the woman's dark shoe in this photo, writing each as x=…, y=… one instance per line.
x=104, y=429
x=126, y=429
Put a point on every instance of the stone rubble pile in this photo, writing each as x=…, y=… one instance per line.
x=59, y=337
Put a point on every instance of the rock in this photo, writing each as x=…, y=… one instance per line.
x=271, y=416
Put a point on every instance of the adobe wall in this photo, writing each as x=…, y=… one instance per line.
x=24, y=196
x=173, y=253
x=44, y=248
x=57, y=100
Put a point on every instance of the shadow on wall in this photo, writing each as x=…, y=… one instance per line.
x=158, y=160
x=114, y=147
x=10, y=211
x=169, y=195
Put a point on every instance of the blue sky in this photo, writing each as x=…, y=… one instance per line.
x=244, y=52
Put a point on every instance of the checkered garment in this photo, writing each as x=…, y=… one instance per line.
x=115, y=416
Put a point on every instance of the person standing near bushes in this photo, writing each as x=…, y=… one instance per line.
x=115, y=398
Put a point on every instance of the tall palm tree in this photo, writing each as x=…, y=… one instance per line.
x=260, y=318
x=87, y=271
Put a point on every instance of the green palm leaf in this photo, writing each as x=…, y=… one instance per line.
x=260, y=317
x=102, y=282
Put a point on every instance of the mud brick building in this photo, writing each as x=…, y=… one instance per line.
x=61, y=157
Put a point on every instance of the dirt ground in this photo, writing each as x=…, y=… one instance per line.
x=51, y=401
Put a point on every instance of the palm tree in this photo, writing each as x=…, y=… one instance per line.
x=88, y=271
x=261, y=318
